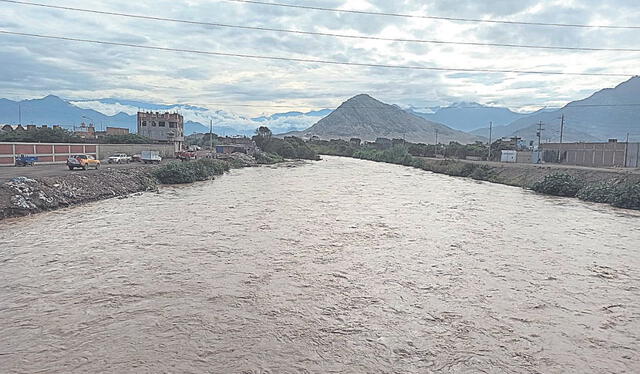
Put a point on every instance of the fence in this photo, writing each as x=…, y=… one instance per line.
x=57, y=153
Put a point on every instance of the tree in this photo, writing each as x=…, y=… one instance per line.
x=264, y=132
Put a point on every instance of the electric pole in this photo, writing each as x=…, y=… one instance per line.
x=436, y=143
x=539, y=134
x=626, y=150
x=210, y=135
x=561, y=135
x=490, y=135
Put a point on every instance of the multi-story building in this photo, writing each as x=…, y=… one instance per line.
x=162, y=127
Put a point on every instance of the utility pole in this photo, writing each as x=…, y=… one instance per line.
x=490, y=135
x=436, y=152
x=210, y=135
x=561, y=135
x=539, y=134
x=626, y=150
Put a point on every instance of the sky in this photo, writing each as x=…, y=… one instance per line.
x=36, y=67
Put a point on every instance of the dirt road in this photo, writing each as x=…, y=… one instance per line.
x=6, y=173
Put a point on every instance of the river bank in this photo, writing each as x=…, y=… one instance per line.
x=26, y=195
x=524, y=175
x=23, y=196
x=617, y=187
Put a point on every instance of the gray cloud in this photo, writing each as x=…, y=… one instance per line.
x=35, y=67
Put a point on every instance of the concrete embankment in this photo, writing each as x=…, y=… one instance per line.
x=24, y=196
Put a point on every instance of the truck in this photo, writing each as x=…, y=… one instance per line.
x=150, y=157
x=119, y=158
x=23, y=160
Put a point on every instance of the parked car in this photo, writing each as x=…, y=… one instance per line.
x=26, y=160
x=150, y=157
x=136, y=158
x=119, y=158
x=82, y=162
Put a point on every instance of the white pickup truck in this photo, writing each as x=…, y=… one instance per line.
x=150, y=157
x=119, y=158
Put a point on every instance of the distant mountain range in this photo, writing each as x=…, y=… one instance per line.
x=52, y=110
x=608, y=113
x=469, y=116
x=366, y=118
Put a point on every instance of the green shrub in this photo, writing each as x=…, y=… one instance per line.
x=395, y=155
x=265, y=158
x=627, y=196
x=189, y=172
x=601, y=192
x=481, y=172
x=558, y=184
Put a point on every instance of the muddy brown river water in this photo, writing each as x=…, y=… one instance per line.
x=331, y=267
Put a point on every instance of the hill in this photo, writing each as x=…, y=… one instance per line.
x=366, y=118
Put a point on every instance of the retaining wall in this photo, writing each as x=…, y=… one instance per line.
x=57, y=153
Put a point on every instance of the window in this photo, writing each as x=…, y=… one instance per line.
x=144, y=123
x=161, y=124
x=173, y=125
x=153, y=123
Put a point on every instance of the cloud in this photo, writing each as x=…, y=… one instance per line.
x=35, y=67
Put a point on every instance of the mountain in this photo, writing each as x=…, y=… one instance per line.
x=366, y=118
x=470, y=116
x=608, y=113
x=52, y=110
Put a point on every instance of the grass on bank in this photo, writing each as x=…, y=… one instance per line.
x=189, y=172
x=619, y=194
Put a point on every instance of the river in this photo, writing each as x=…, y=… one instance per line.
x=335, y=266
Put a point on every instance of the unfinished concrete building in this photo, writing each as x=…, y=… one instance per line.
x=162, y=127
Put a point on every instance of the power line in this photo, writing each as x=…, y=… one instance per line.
x=316, y=61
x=436, y=17
x=314, y=33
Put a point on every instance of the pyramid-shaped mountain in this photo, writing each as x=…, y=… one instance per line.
x=366, y=118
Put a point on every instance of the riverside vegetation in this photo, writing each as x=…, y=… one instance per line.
x=618, y=192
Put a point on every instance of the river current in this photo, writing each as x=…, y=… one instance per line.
x=334, y=266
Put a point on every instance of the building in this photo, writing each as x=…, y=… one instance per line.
x=162, y=127
x=609, y=154
x=236, y=145
x=85, y=131
x=116, y=131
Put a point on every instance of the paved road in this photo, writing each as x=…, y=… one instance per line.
x=8, y=172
